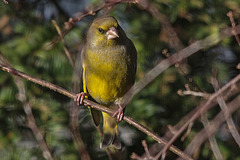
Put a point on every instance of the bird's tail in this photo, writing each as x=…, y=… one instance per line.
x=110, y=132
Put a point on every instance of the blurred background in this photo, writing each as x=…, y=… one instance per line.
x=28, y=42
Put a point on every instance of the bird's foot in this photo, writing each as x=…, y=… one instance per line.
x=80, y=97
x=119, y=113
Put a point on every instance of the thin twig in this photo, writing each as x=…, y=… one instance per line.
x=151, y=75
x=63, y=41
x=74, y=114
x=190, y=80
x=95, y=106
x=188, y=131
x=231, y=18
x=229, y=120
x=144, y=144
x=74, y=127
x=193, y=93
x=135, y=156
x=79, y=16
x=31, y=120
x=212, y=127
x=172, y=38
x=28, y=111
x=179, y=56
x=203, y=109
x=179, y=68
x=235, y=89
x=211, y=138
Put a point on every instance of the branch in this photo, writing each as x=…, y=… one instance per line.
x=179, y=56
x=212, y=139
x=74, y=114
x=79, y=16
x=31, y=120
x=227, y=94
x=228, y=118
x=28, y=111
x=74, y=128
x=144, y=144
x=149, y=77
x=95, y=106
x=204, y=107
x=63, y=41
x=172, y=38
x=213, y=126
x=231, y=18
x=193, y=93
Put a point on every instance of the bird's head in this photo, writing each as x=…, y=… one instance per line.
x=105, y=31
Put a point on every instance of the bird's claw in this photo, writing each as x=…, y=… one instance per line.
x=119, y=113
x=80, y=97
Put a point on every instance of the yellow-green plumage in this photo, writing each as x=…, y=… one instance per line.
x=109, y=65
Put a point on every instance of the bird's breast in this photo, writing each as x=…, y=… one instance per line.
x=107, y=75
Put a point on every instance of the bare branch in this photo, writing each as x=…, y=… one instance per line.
x=74, y=114
x=179, y=56
x=231, y=18
x=31, y=120
x=74, y=127
x=63, y=41
x=144, y=144
x=79, y=16
x=149, y=77
x=203, y=109
x=167, y=28
x=227, y=117
x=193, y=93
x=212, y=140
x=95, y=106
x=28, y=111
x=213, y=127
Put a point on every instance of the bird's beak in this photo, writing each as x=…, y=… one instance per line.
x=112, y=33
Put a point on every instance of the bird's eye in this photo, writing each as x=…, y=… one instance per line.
x=100, y=30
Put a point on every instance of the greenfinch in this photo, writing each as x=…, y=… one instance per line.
x=109, y=61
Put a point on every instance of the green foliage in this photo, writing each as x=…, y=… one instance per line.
x=25, y=41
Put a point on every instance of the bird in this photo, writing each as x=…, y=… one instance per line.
x=109, y=63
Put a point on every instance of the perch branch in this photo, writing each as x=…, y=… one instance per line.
x=95, y=106
x=73, y=121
